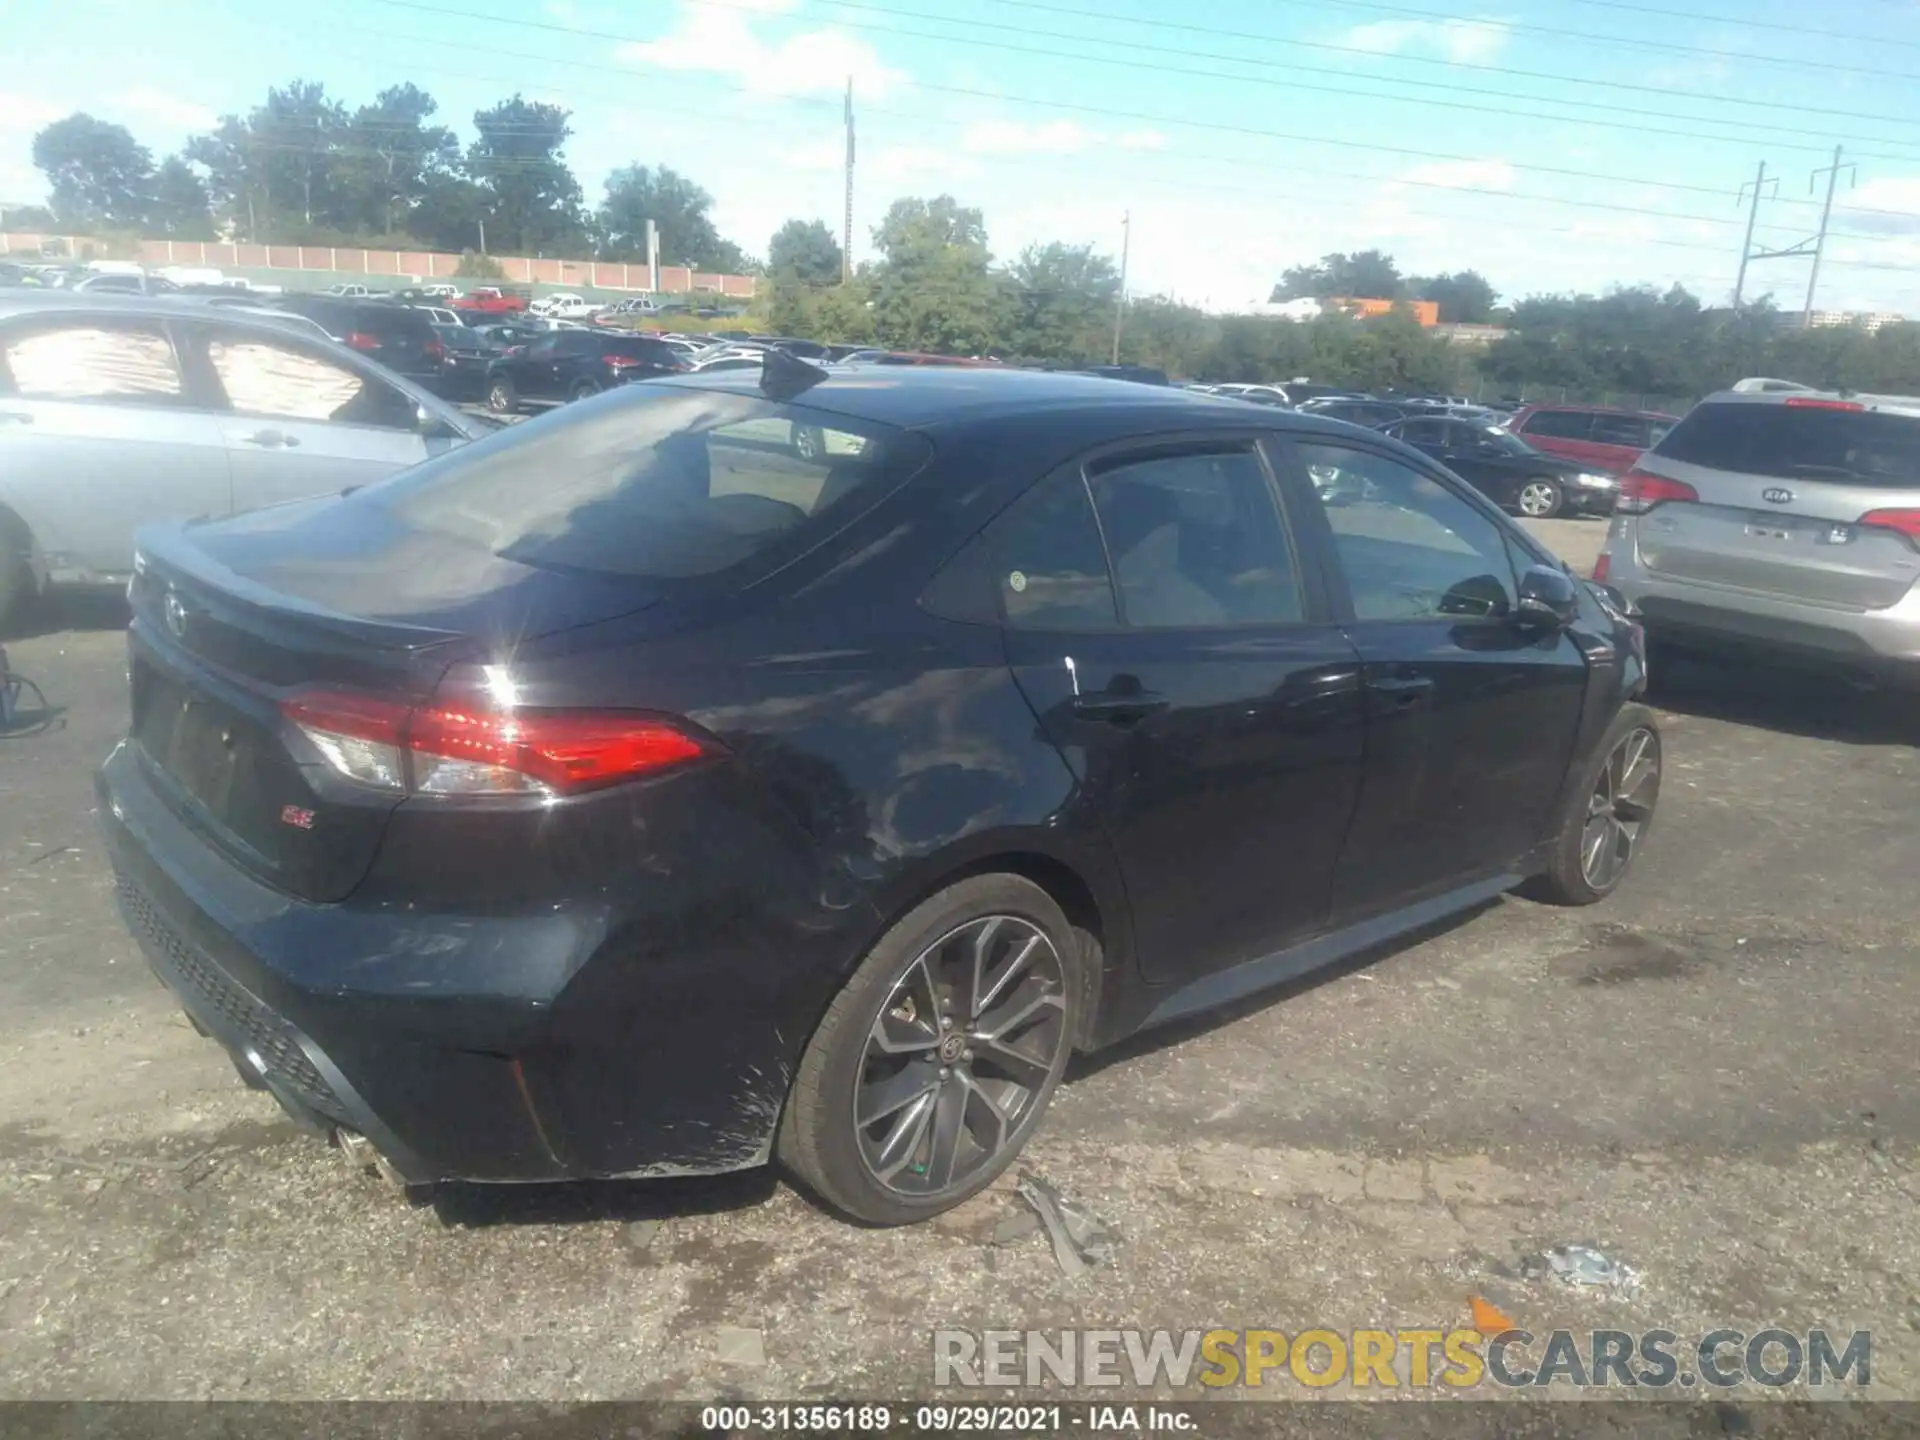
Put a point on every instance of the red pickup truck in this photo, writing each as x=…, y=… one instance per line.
x=489, y=300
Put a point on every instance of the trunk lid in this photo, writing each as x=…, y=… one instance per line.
x=1781, y=492
x=233, y=619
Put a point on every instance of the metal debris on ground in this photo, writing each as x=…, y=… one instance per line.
x=1079, y=1241
x=1017, y=1227
x=642, y=1233
x=1584, y=1265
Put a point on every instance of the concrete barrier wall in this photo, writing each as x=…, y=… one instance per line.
x=315, y=266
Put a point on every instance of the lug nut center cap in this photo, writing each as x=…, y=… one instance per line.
x=951, y=1047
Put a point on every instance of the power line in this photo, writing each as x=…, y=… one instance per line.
x=1419, y=153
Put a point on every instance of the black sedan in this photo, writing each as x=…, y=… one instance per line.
x=574, y=364
x=627, y=795
x=1509, y=471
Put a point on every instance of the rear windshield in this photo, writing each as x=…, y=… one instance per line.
x=1854, y=447
x=665, y=483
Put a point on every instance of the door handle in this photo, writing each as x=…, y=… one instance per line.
x=271, y=439
x=1400, y=692
x=1118, y=707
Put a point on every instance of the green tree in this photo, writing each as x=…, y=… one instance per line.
x=1363, y=275
x=681, y=212
x=1464, y=298
x=29, y=219
x=451, y=213
x=178, y=209
x=533, y=200
x=1065, y=297
x=805, y=250
x=391, y=156
x=99, y=175
x=934, y=288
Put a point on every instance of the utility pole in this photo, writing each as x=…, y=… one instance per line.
x=1746, y=245
x=846, y=232
x=483, y=237
x=1832, y=172
x=1120, y=300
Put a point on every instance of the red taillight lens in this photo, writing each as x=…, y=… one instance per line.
x=435, y=350
x=1905, y=522
x=441, y=750
x=1602, y=567
x=361, y=340
x=1641, y=491
x=621, y=362
x=1801, y=403
x=513, y=349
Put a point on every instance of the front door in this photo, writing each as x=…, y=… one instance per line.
x=1470, y=716
x=98, y=437
x=1174, y=653
x=298, y=422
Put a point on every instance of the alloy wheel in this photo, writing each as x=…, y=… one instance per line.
x=962, y=1049
x=1538, y=499
x=499, y=398
x=807, y=442
x=1619, y=808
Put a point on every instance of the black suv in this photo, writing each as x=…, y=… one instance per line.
x=573, y=364
x=402, y=340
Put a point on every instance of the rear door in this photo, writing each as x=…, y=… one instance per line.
x=1566, y=433
x=1470, y=718
x=98, y=437
x=297, y=421
x=1616, y=442
x=1195, y=686
x=1783, y=488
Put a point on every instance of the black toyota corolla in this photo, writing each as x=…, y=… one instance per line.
x=628, y=795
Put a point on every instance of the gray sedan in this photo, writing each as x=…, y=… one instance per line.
x=115, y=411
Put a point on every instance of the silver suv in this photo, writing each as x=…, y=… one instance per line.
x=1781, y=522
x=117, y=410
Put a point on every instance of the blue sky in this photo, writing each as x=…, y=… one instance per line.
x=1551, y=144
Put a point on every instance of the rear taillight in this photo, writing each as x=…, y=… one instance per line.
x=434, y=350
x=513, y=350
x=1800, y=403
x=361, y=340
x=1640, y=491
x=443, y=750
x=617, y=363
x=1904, y=522
x=1602, y=567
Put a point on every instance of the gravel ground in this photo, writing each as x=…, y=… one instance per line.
x=1710, y=1076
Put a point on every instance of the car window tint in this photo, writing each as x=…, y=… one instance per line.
x=1424, y=432
x=1409, y=547
x=94, y=362
x=1854, y=447
x=676, y=485
x=1619, y=430
x=278, y=381
x=1560, y=424
x=1196, y=540
x=1048, y=561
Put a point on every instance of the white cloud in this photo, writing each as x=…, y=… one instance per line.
x=1461, y=175
x=1894, y=201
x=27, y=113
x=1010, y=137
x=561, y=10
x=1458, y=39
x=164, y=109
x=815, y=155
x=1141, y=140
x=724, y=42
x=917, y=164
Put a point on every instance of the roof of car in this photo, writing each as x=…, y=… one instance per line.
x=910, y=396
x=30, y=302
x=1533, y=405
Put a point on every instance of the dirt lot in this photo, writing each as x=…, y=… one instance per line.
x=1711, y=1077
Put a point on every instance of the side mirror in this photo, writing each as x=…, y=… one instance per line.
x=1548, y=600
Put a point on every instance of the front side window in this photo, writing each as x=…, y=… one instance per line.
x=1424, y=432
x=275, y=381
x=1195, y=539
x=1409, y=547
x=116, y=364
x=1560, y=424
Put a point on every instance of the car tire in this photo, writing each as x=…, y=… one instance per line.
x=1540, y=498
x=19, y=587
x=1609, y=814
x=970, y=1071
x=582, y=390
x=502, y=398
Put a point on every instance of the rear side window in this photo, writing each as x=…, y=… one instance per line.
x=117, y=364
x=674, y=484
x=1559, y=424
x=1628, y=430
x=1048, y=560
x=1852, y=447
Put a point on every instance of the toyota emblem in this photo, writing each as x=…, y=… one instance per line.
x=176, y=613
x=1777, y=495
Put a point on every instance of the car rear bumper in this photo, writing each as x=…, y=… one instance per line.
x=448, y=1041
x=1884, y=644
